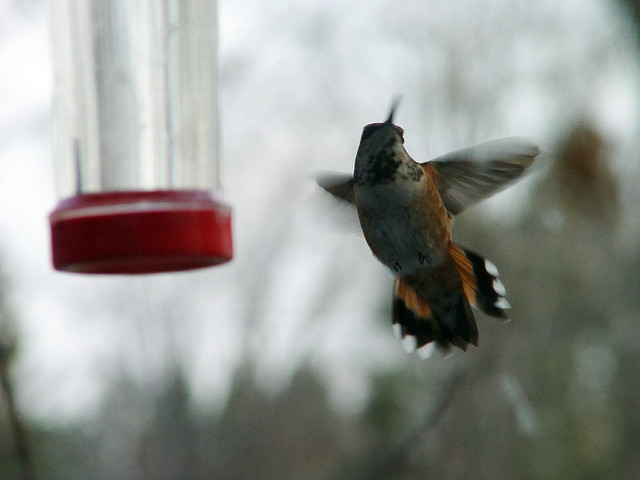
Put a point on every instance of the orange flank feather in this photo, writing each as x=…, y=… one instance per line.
x=469, y=282
x=411, y=299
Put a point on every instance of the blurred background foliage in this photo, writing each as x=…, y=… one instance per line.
x=282, y=364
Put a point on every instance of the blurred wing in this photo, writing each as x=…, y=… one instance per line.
x=475, y=173
x=339, y=185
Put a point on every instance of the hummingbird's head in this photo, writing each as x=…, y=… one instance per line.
x=383, y=133
x=381, y=152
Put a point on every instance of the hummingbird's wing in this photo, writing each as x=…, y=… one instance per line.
x=339, y=185
x=475, y=173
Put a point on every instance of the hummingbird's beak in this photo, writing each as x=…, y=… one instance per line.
x=394, y=105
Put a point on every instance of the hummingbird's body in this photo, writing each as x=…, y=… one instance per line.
x=400, y=211
x=405, y=210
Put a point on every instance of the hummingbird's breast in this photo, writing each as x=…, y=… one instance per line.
x=404, y=221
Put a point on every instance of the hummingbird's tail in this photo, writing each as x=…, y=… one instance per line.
x=480, y=282
x=434, y=308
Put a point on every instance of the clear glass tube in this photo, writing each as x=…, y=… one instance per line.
x=136, y=105
x=136, y=137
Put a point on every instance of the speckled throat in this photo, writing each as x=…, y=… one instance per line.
x=386, y=165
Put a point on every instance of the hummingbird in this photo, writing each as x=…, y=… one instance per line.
x=406, y=211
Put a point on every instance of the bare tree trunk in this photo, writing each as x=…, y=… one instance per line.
x=17, y=427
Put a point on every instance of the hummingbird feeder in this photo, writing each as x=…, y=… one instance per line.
x=136, y=137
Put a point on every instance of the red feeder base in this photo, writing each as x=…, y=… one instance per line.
x=140, y=232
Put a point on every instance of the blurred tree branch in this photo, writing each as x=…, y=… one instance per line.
x=398, y=456
x=633, y=7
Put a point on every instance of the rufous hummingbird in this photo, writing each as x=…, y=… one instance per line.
x=405, y=210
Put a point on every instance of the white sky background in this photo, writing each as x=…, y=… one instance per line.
x=298, y=81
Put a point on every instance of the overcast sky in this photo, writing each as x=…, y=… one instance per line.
x=298, y=81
